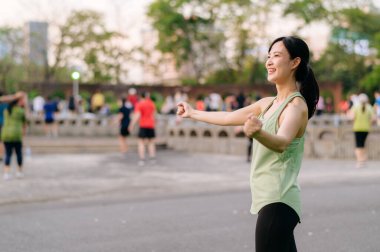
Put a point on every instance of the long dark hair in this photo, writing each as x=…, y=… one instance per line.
x=304, y=74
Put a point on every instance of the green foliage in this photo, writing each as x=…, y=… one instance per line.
x=84, y=38
x=158, y=100
x=191, y=39
x=222, y=76
x=307, y=10
x=337, y=65
x=371, y=82
x=189, y=81
x=109, y=97
x=346, y=59
x=85, y=95
x=33, y=93
x=114, y=107
x=12, y=71
x=257, y=72
x=253, y=71
x=195, y=34
x=58, y=94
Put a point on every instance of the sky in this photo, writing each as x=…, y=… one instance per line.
x=119, y=14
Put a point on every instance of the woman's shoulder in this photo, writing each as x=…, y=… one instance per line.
x=299, y=104
x=265, y=102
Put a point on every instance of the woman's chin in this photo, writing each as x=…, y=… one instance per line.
x=271, y=79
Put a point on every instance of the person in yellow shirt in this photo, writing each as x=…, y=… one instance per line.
x=97, y=101
x=362, y=115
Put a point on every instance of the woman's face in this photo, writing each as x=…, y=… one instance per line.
x=279, y=65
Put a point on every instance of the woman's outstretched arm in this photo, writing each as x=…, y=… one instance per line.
x=235, y=118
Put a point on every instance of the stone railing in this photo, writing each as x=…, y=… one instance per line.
x=326, y=137
x=88, y=126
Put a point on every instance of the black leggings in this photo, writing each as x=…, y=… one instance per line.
x=360, y=137
x=274, y=228
x=9, y=146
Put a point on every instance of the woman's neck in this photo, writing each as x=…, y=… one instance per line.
x=283, y=91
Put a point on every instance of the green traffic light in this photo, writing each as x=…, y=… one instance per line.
x=75, y=75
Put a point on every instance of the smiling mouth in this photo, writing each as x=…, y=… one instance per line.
x=271, y=70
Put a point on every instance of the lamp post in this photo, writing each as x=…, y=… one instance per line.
x=75, y=76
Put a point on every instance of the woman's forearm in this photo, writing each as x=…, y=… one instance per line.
x=272, y=142
x=217, y=118
x=221, y=118
x=234, y=118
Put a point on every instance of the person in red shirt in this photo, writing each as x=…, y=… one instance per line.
x=144, y=112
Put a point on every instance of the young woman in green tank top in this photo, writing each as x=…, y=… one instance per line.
x=277, y=126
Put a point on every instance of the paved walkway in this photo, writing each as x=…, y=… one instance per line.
x=41, y=144
x=82, y=176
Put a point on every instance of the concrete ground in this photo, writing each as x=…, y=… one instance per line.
x=182, y=202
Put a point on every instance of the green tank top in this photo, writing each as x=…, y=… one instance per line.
x=274, y=175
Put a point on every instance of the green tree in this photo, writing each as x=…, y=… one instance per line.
x=196, y=33
x=352, y=51
x=85, y=40
x=11, y=58
x=192, y=39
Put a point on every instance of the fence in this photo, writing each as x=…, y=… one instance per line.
x=326, y=137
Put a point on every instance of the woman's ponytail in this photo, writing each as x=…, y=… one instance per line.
x=310, y=91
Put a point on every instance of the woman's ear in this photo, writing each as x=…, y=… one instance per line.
x=296, y=62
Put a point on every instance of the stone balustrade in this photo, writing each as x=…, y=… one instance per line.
x=326, y=137
x=88, y=126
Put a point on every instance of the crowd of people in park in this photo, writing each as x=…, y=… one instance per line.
x=138, y=108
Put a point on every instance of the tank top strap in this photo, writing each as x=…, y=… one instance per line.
x=285, y=103
x=267, y=108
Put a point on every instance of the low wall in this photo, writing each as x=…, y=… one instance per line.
x=326, y=137
x=82, y=126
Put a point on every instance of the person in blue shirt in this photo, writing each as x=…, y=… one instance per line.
x=50, y=109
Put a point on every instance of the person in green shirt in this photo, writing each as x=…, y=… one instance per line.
x=12, y=133
x=363, y=116
x=4, y=100
x=277, y=126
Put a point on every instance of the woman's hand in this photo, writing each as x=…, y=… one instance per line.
x=252, y=126
x=184, y=110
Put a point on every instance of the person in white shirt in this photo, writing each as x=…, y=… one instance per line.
x=38, y=105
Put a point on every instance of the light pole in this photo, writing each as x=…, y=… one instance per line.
x=75, y=76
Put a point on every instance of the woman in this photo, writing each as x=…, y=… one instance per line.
x=12, y=133
x=362, y=115
x=277, y=126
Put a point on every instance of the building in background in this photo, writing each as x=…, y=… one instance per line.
x=36, y=42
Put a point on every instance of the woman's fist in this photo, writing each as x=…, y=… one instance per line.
x=252, y=126
x=184, y=110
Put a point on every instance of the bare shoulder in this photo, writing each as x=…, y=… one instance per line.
x=298, y=105
x=264, y=102
x=261, y=104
